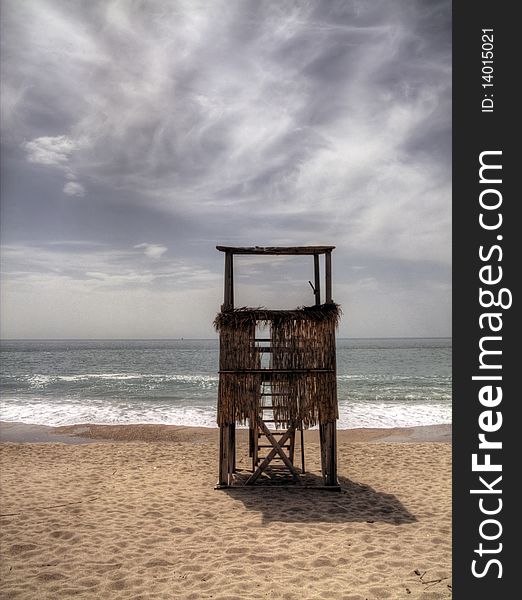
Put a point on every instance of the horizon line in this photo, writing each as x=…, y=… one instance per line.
x=167, y=339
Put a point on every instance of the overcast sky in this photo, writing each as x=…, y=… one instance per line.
x=138, y=135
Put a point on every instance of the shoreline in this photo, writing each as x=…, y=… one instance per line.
x=85, y=433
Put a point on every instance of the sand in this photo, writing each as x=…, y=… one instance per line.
x=134, y=514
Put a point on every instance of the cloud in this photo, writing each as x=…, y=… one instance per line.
x=56, y=152
x=268, y=110
x=152, y=250
x=234, y=122
x=73, y=188
x=52, y=151
x=98, y=266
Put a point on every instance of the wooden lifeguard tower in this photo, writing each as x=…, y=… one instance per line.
x=281, y=384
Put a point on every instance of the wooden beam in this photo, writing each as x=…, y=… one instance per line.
x=328, y=277
x=228, y=302
x=317, y=281
x=276, y=250
x=275, y=488
x=270, y=445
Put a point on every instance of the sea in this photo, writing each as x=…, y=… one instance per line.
x=388, y=382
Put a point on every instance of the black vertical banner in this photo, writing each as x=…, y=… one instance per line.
x=485, y=272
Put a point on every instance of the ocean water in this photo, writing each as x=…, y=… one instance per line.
x=381, y=382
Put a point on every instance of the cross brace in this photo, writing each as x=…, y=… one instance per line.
x=277, y=448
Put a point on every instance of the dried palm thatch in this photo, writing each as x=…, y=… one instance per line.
x=301, y=376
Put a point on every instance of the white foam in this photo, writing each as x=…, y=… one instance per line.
x=39, y=379
x=70, y=412
x=389, y=377
x=381, y=414
x=110, y=376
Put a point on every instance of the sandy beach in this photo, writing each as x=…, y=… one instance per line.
x=131, y=512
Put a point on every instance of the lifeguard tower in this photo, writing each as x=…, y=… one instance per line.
x=279, y=384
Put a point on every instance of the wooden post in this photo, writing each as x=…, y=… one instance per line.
x=250, y=441
x=322, y=443
x=302, y=451
x=331, y=454
x=291, y=449
x=317, y=280
x=229, y=281
x=223, y=455
x=328, y=276
x=232, y=449
x=333, y=458
x=255, y=450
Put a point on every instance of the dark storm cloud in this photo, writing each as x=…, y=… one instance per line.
x=179, y=124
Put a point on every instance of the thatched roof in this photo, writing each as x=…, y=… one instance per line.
x=245, y=317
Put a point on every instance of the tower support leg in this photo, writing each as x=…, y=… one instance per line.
x=226, y=439
x=328, y=440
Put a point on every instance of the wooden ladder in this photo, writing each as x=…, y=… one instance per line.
x=280, y=444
